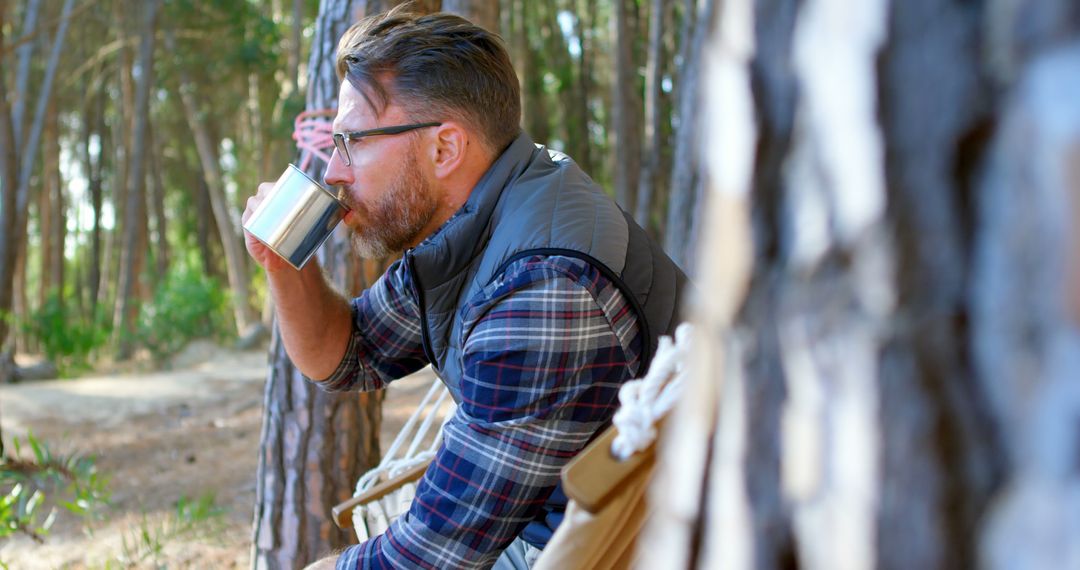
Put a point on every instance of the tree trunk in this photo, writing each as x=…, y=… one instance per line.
x=626, y=107
x=235, y=256
x=881, y=364
x=654, y=117
x=45, y=212
x=157, y=200
x=314, y=446
x=22, y=74
x=94, y=123
x=534, y=112
x=583, y=29
x=678, y=239
x=18, y=164
x=134, y=251
x=53, y=278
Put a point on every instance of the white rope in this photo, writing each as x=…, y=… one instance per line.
x=643, y=401
x=373, y=518
x=392, y=464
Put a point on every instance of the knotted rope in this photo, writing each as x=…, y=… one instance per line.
x=643, y=401
x=313, y=133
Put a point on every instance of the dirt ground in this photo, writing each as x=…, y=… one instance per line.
x=160, y=436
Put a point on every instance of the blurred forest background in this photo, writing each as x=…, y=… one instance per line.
x=889, y=340
x=133, y=132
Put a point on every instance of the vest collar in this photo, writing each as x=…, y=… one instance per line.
x=451, y=249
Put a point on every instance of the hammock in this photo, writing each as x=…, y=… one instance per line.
x=385, y=492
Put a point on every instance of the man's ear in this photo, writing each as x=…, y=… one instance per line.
x=448, y=152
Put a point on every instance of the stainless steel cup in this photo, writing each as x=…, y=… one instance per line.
x=296, y=217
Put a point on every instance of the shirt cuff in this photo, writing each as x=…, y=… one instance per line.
x=344, y=377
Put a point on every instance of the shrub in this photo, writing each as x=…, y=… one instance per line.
x=187, y=305
x=67, y=339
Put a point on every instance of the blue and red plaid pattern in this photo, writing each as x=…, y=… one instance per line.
x=548, y=344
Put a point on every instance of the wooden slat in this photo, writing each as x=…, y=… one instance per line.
x=343, y=512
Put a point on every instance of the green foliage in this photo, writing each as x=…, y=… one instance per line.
x=187, y=305
x=199, y=519
x=24, y=484
x=68, y=339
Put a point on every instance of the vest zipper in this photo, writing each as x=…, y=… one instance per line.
x=419, y=291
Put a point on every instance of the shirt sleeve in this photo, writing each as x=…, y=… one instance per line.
x=386, y=341
x=542, y=369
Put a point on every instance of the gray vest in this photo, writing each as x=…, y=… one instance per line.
x=536, y=201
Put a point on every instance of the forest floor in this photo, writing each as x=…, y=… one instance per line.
x=161, y=437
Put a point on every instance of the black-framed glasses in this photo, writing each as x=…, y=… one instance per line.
x=342, y=140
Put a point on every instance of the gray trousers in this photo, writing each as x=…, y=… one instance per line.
x=520, y=555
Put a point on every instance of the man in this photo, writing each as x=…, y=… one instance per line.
x=524, y=286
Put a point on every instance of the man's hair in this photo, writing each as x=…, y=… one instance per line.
x=437, y=66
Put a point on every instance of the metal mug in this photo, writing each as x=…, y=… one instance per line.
x=296, y=217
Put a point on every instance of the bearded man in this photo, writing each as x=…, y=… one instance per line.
x=524, y=286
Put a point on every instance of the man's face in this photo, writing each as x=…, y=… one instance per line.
x=386, y=187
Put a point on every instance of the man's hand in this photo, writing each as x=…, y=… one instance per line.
x=263, y=255
x=327, y=563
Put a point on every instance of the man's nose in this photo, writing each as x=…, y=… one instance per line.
x=337, y=174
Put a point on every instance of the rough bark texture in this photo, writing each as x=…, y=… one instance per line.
x=896, y=386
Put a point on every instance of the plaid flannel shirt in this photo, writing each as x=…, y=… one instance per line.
x=549, y=342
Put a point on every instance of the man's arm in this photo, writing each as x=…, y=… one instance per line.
x=543, y=364
x=314, y=319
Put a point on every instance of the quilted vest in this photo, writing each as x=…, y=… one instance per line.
x=536, y=201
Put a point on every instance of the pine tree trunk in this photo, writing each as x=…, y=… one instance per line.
x=626, y=108
x=876, y=384
x=134, y=251
x=653, y=137
x=19, y=155
x=534, y=112
x=235, y=257
x=157, y=200
x=314, y=446
x=678, y=238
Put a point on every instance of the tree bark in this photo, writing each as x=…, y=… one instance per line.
x=18, y=164
x=626, y=107
x=94, y=125
x=678, y=239
x=157, y=197
x=314, y=445
x=654, y=117
x=534, y=112
x=870, y=357
x=235, y=257
x=586, y=15
x=133, y=253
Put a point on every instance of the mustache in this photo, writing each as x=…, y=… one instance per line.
x=345, y=197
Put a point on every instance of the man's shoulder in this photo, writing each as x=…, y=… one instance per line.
x=558, y=270
x=538, y=284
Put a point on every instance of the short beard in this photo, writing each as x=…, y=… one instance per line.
x=396, y=219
